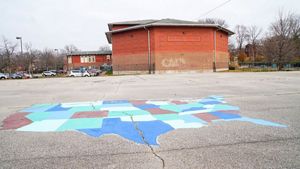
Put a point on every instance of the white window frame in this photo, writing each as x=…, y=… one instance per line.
x=88, y=59
x=82, y=59
x=69, y=59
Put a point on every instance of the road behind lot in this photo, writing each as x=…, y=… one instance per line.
x=273, y=96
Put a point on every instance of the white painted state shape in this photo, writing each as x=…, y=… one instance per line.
x=209, y=106
x=177, y=124
x=195, y=112
x=43, y=126
x=160, y=103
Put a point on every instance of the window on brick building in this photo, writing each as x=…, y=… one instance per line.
x=82, y=59
x=69, y=59
x=87, y=59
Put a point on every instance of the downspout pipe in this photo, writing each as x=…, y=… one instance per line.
x=149, y=49
x=215, y=50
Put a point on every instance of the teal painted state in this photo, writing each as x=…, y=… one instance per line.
x=190, y=105
x=82, y=123
x=38, y=116
x=164, y=117
x=192, y=119
x=117, y=105
x=174, y=108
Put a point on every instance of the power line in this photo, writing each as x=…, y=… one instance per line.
x=224, y=3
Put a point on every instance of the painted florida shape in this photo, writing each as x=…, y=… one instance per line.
x=141, y=121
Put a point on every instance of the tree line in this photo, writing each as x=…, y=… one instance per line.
x=33, y=60
x=279, y=45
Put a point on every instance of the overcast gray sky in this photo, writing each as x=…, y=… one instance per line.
x=55, y=23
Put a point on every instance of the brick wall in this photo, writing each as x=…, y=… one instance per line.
x=130, y=48
x=76, y=63
x=75, y=59
x=172, y=48
x=188, y=48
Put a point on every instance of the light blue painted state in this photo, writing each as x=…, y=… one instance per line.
x=43, y=126
x=254, y=121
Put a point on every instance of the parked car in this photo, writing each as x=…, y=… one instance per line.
x=16, y=76
x=105, y=67
x=78, y=73
x=54, y=71
x=48, y=73
x=26, y=75
x=3, y=76
x=94, y=72
x=60, y=71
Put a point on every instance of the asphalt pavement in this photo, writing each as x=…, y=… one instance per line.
x=272, y=96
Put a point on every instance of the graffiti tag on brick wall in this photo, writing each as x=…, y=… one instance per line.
x=173, y=62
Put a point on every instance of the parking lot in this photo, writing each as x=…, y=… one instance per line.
x=272, y=96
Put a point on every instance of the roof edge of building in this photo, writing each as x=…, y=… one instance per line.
x=89, y=53
x=135, y=22
x=109, y=33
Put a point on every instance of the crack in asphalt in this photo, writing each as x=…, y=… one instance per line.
x=117, y=87
x=145, y=141
x=168, y=150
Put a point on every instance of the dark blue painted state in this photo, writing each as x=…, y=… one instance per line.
x=147, y=106
x=58, y=108
x=225, y=115
x=193, y=109
x=151, y=130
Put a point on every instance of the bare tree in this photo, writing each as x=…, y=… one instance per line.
x=232, y=50
x=70, y=48
x=8, y=49
x=104, y=48
x=30, y=56
x=253, y=33
x=240, y=36
x=217, y=21
x=295, y=26
x=2, y=60
x=47, y=59
x=280, y=46
x=60, y=59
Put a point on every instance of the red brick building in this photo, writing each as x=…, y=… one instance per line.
x=168, y=45
x=87, y=59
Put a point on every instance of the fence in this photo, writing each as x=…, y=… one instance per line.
x=270, y=66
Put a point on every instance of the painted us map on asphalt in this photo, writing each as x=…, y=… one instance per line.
x=127, y=118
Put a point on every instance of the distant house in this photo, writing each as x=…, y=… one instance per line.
x=168, y=45
x=87, y=59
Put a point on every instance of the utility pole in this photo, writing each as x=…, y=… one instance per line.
x=215, y=51
x=56, y=50
x=20, y=38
